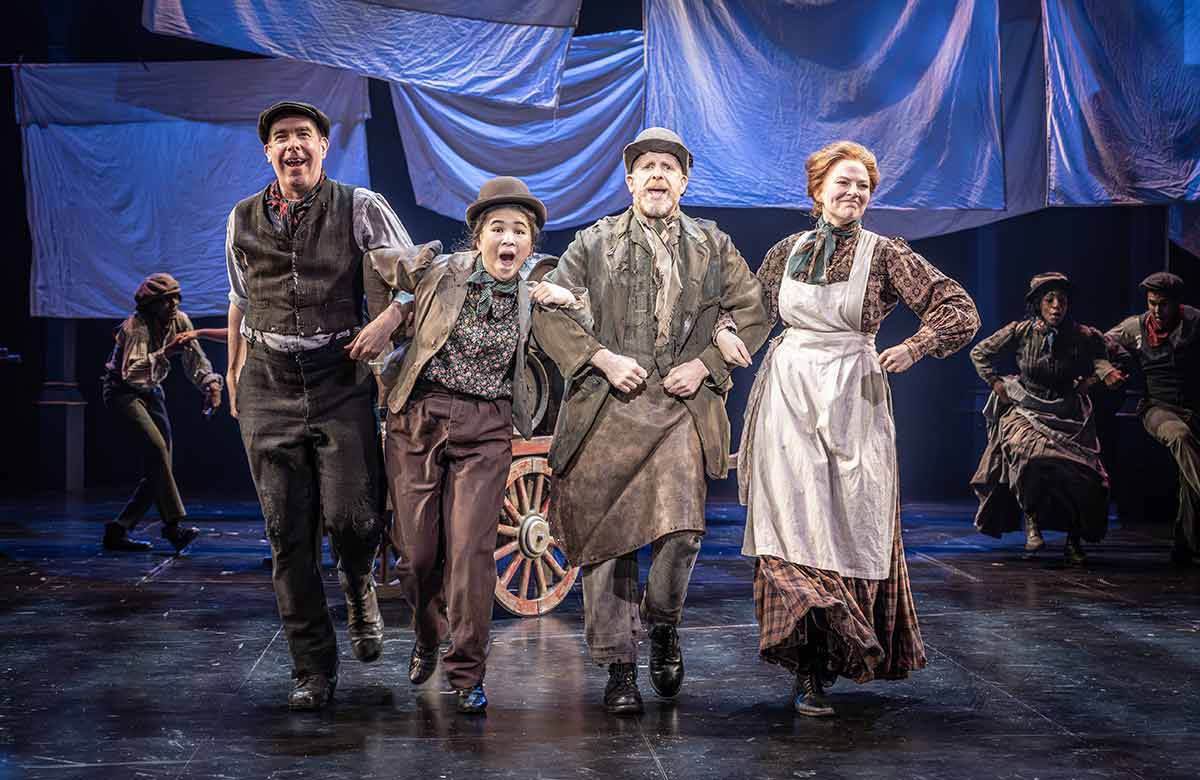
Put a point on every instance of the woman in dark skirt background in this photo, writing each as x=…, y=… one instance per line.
x=1043, y=458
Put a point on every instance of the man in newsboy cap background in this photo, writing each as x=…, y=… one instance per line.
x=1165, y=343
x=644, y=419
x=298, y=382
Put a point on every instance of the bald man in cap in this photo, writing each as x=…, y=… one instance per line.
x=1165, y=342
x=644, y=421
x=297, y=254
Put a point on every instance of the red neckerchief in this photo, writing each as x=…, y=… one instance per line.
x=1155, y=331
x=286, y=214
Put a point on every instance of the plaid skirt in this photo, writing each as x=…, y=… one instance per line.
x=870, y=626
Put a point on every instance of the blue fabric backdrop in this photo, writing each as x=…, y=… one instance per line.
x=1124, y=107
x=517, y=63
x=132, y=169
x=755, y=86
x=570, y=157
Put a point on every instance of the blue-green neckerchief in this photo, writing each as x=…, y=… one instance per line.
x=819, y=246
x=489, y=284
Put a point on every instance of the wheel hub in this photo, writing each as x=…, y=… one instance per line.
x=534, y=536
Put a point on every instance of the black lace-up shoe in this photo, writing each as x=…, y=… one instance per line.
x=666, y=661
x=621, y=695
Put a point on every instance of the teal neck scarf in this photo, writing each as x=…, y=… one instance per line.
x=817, y=250
x=481, y=278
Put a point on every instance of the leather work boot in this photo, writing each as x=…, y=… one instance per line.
x=1073, y=552
x=808, y=697
x=117, y=539
x=312, y=692
x=421, y=663
x=362, y=615
x=1033, y=536
x=472, y=701
x=179, y=536
x=666, y=661
x=621, y=694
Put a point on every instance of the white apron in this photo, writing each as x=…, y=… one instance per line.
x=822, y=488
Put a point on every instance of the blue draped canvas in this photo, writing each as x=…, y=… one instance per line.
x=1124, y=105
x=570, y=157
x=516, y=63
x=133, y=168
x=755, y=86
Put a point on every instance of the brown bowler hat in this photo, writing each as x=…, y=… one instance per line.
x=504, y=191
x=658, y=139
x=291, y=108
x=1039, y=284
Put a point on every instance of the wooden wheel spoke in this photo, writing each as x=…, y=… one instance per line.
x=508, y=530
x=554, y=565
x=538, y=482
x=511, y=512
x=511, y=570
x=523, y=590
x=541, y=577
x=523, y=495
x=507, y=549
x=544, y=510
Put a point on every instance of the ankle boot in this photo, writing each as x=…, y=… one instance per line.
x=808, y=695
x=621, y=695
x=1033, y=535
x=666, y=661
x=363, y=618
x=312, y=692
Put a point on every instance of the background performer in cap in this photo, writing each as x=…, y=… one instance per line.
x=299, y=383
x=1164, y=342
x=132, y=388
x=644, y=417
x=1043, y=456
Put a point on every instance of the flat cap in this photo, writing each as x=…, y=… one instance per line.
x=291, y=108
x=1164, y=282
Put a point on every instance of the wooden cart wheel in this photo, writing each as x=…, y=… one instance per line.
x=532, y=572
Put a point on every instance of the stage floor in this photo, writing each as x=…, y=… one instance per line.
x=151, y=666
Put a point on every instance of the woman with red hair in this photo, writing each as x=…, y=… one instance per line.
x=817, y=469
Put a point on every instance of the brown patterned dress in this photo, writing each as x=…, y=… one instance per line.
x=868, y=628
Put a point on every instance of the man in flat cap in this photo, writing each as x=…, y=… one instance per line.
x=132, y=388
x=1165, y=343
x=297, y=253
x=644, y=418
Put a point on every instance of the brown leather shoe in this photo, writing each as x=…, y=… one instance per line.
x=312, y=692
x=422, y=663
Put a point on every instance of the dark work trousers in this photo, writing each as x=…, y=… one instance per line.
x=145, y=416
x=612, y=608
x=448, y=456
x=1177, y=428
x=308, y=424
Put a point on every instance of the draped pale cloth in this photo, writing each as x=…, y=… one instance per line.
x=818, y=466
